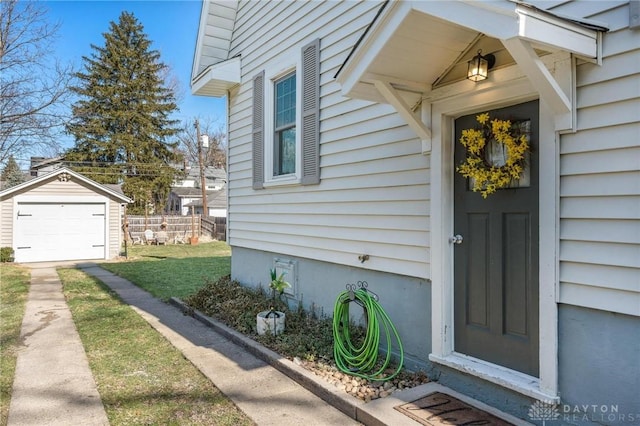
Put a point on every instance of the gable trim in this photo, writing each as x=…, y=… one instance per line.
x=36, y=181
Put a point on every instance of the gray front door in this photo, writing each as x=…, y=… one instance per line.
x=496, y=263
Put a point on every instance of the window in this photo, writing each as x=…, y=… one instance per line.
x=284, y=139
x=285, y=132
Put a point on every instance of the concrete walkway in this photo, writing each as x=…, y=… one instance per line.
x=53, y=384
x=263, y=393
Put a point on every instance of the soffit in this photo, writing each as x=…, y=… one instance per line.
x=414, y=45
x=215, y=32
x=217, y=79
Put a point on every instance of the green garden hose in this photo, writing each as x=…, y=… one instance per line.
x=363, y=360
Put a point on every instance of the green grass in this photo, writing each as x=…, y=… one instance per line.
x=142, y=379
x=173, y=270
x=14, y=288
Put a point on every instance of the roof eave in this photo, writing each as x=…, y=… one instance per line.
x=503, y=20
x=217, y=79
x=7, y=192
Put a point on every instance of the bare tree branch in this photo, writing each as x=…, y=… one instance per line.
x=215, y=154
x=34, y=95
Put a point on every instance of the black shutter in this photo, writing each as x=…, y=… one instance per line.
x=257, y=131
x=311, y=113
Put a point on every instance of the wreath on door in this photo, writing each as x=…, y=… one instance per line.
x=487, y=178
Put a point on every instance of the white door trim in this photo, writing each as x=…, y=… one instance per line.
x=443, y=113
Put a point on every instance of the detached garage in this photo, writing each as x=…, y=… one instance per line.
x=62, y=216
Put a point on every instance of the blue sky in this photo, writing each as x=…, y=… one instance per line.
x=172, y=26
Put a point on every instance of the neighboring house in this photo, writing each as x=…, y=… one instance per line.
x=42, y=165
x=186, y=192
x=182, y=199
x=532, y=294
x=216, y=203
x=215, y=178
x=62, y=215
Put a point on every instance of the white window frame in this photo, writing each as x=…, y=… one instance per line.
x=271, y=76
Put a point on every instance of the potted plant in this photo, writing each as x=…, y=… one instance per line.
x=272, y=320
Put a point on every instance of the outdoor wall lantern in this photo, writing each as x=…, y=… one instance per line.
x=478, y=67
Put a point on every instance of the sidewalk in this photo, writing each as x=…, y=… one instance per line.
x=269, y=389
x=53, y=384
x=263, y=393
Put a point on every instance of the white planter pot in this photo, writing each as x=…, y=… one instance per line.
x=270, y=322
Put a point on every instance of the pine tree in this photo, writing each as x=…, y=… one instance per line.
x=11, y=174
x=121, y=124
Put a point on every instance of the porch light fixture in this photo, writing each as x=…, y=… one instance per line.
x=478, y=67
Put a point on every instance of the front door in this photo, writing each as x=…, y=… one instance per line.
x=496, y=258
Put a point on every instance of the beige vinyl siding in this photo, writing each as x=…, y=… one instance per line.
x=374, y=188
x=55, y=190
x=114, y=233
x=600, y=172
x=6, y=223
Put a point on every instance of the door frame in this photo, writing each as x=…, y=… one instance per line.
x=442, y=115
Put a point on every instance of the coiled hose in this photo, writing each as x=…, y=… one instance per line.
x=361, y=361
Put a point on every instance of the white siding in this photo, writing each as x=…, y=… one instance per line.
x=373, y=194
x=600, y=172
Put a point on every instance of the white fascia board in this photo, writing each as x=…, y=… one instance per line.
x=217, y=78
x=358, y=65
x=197, y=54
x=210, y=13
x=507, y=19
x=496, y=19
x=557, y=33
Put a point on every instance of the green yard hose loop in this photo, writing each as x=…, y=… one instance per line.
x=362, y=360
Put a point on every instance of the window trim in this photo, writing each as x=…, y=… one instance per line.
x=279, y=131
x=271, y=77
x=307, y=69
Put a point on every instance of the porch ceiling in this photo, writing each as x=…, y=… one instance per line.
x=414, y=44
x=419, y=51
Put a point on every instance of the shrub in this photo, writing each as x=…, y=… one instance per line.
x=308, y=336
x=6, y=254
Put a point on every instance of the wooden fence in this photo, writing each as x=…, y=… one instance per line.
x=216, y=227
x=181, y=226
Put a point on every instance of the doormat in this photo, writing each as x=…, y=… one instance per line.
x=438, y=409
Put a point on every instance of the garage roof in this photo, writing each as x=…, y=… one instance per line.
x=68, y=174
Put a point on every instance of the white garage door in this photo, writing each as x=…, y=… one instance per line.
x=59, y=231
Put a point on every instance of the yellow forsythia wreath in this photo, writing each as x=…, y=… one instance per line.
x=486, y=177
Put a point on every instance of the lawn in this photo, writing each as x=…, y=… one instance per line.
x=14, y=288
x=142, y=379
x=175, y=270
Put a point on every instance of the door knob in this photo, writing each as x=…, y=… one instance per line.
x=456, y=239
